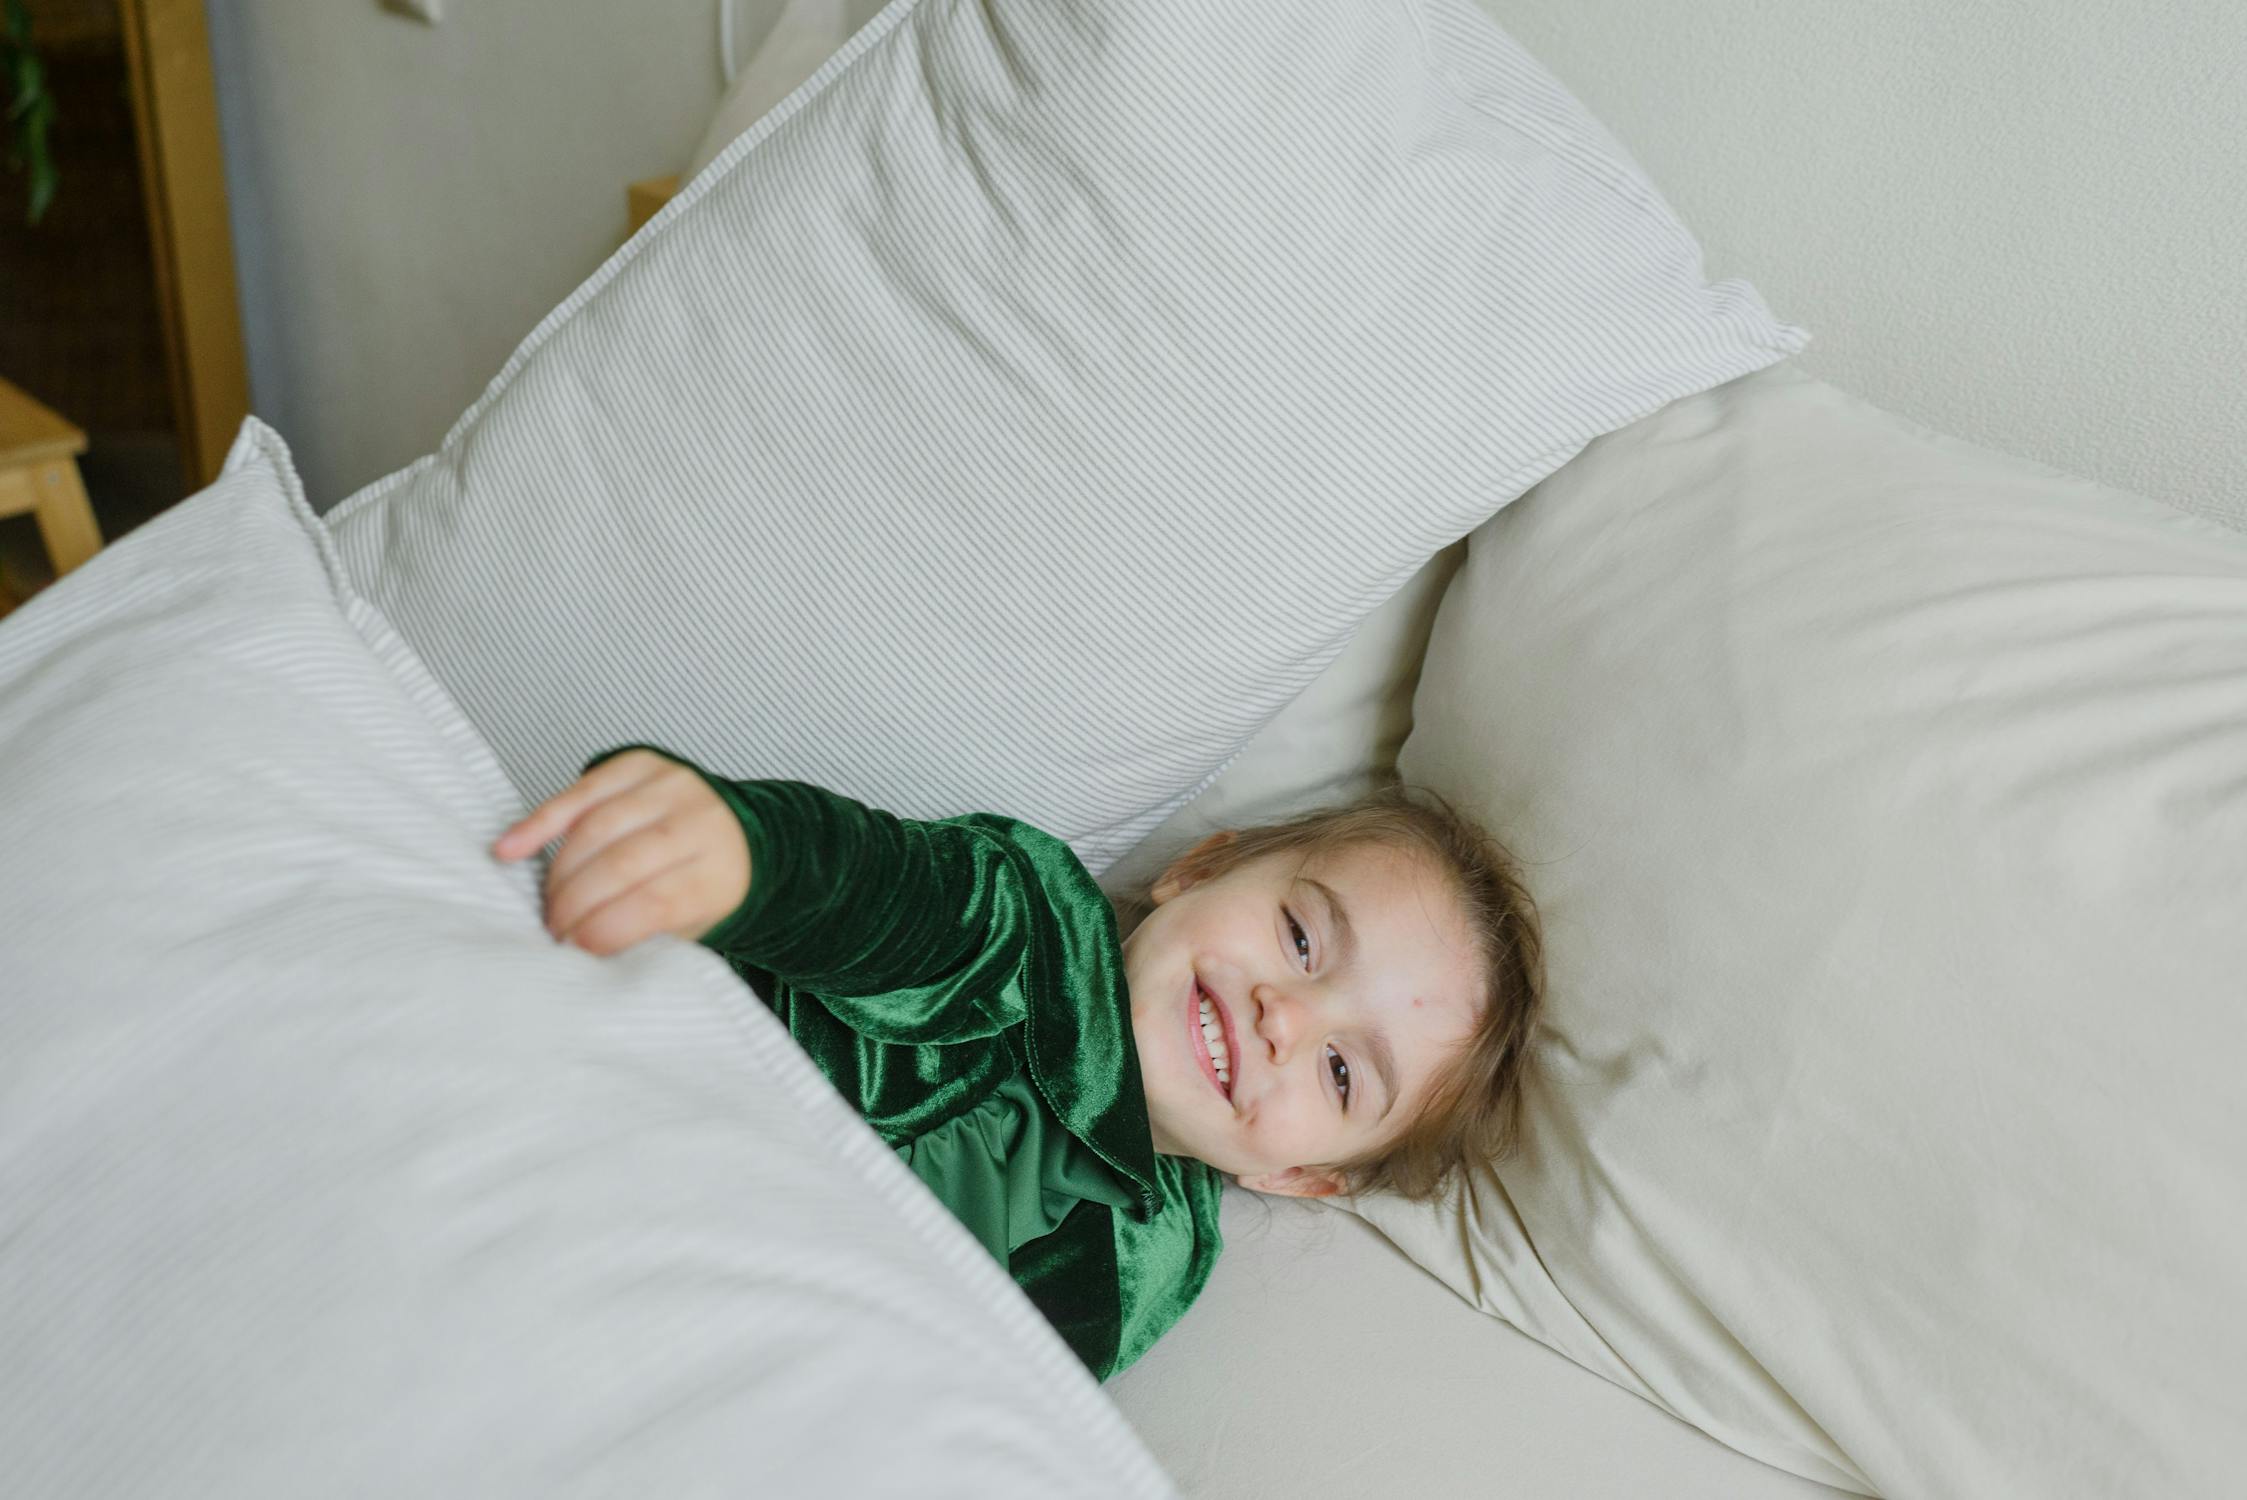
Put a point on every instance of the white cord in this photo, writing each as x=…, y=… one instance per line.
x=727, y=62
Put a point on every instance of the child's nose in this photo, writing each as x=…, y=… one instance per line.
x=1279, y=1019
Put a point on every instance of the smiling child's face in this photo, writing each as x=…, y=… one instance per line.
x=1335, y=985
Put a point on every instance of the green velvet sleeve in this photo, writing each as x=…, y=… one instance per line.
x=910, y=932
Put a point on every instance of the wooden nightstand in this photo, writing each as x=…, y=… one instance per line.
x=39, y=473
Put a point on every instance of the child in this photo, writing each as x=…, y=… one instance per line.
x=1334, y=1004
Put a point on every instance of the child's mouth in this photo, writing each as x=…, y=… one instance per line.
x=1212, y=1038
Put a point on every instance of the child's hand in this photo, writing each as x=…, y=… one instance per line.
x=648, y=848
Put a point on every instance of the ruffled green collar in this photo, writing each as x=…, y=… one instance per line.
x=1081, y=1056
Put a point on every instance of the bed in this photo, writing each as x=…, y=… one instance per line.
x=1382, y=1386
x=1850, y=1168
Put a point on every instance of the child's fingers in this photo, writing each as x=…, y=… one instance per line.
x=601, y=828
x=546, y=822
x=552, y=818
x=592, y=882
x=629, y=917
x=526, y=837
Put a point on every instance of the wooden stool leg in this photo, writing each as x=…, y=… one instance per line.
x=66, y=517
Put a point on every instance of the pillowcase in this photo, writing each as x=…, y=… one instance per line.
x=1034, y=402
x=1337, y=741
x=1341, y=733
x=1886, y=800
x=802, y=37
x=323, y=1170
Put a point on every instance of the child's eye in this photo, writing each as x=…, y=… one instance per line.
x=1341, y=1072
x=1302, y=939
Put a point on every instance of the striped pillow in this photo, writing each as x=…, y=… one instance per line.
x=1028, y=407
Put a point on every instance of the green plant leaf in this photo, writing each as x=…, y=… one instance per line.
x=30, y=112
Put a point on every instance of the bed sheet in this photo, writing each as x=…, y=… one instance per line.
x=1321, y=1362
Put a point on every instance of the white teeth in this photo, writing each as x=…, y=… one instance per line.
x=1213, y=1037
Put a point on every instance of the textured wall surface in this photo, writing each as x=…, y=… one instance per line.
x=2020, y=220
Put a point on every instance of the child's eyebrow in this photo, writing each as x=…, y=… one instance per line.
x=1384, y=1064
x=1376, y=1042
x=1345, y=938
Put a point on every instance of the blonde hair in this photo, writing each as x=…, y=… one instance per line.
x=1473, y=1110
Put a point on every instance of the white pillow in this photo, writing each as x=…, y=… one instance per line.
x=1031, y=405
x=799, y=41
x=1887, y=802
x=1337, y=740
x=324, y=1171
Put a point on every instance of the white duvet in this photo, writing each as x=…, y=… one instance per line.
x=323, y=1171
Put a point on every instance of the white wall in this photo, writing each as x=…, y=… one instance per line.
x=2022, y=221
x=409, y=201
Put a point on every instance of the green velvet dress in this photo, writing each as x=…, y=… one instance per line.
x=961, y=983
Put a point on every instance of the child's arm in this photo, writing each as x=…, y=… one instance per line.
x=818, y=890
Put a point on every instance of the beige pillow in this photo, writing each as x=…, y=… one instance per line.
x=1887, y=800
